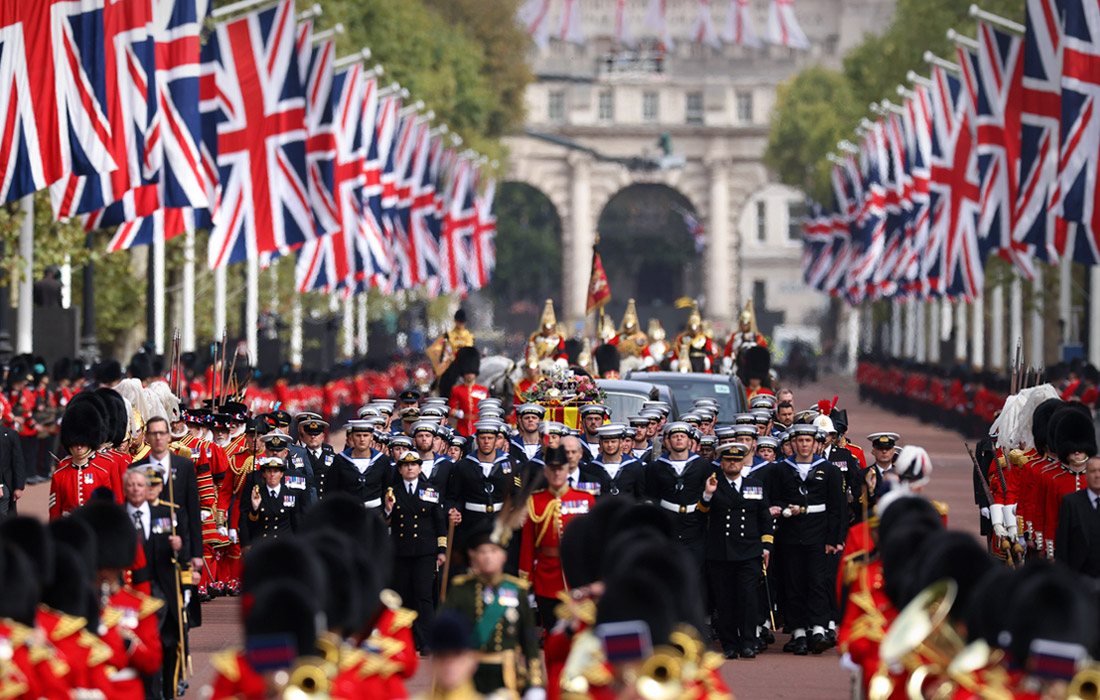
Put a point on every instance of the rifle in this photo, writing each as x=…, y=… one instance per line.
x=1008, y=545
x=1014, y=385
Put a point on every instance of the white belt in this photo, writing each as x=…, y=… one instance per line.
x=677, y=508
x=373, y=503
x=482, y=508
x=126, y=674
x=819, y=508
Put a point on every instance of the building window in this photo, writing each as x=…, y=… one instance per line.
x=761, y=221
x=649, y=106
x=694, y=112
x=607, y=106
x=796, y=211
x=557, y=106
x=744, y=107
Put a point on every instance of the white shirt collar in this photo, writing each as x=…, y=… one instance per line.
x=277, y=488
x=144, y=508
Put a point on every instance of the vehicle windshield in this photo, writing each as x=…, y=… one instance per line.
x=686, y=391
x=624, y=405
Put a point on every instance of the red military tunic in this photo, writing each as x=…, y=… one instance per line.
x=130, y=614
x=72, y=486
x=548, y=514
x=84, y=653
x=463, y=404
x=36, y=663
x=392, y=635
x=1057, y=484
x=236, y=678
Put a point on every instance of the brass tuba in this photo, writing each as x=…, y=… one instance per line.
x=1085, y=684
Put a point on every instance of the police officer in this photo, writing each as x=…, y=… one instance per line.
x=362, y=471
x=809, y=491
x=616, y=474
x=739, y=539
x=675, y=483
x=418, y=527
x=272, y=510
x=321, y=455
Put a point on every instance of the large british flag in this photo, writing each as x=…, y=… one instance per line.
x=422, y=207
x=53, y=81
x=916, y=122
x=483, y=251
x=261, y=134
x=373, y=246
x=458, y=228
x=869, y=233
x=1040, y=121
x=1079, y=162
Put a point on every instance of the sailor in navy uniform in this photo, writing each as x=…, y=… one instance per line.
x=414, y=512
x=435, y=469
x=767, y=448
x=271, y=510
x=409, y=414
x=612, y=474
x=593, y=416
x=482, y=480
x=456, y=448
x=321, y=455
x=708, y=445
x=763, y=420
x=745, y=434
x=296, y=477
x=526, y=441
x=739, y=539
x=362, y=471
x=675, y=483
x=808, y=490
x=643, y=447
x=398, y=445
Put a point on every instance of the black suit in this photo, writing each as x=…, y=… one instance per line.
x=367, y=486
x=322, y=466
x=738, y=530
x=13, y=475
x=184, y=492
x=277, y=516
x=419, y=531
x=629, y=481
x=162, y=569
x=1077, y=541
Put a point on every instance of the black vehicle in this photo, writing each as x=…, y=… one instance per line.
x=688, y=386
x=625, y=398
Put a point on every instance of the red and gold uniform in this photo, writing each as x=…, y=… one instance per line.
x=235, y=678
x=230, y=492
x=84, y=653
x=392, y=636
x=133, y=633
x=1056, y=484
x=548, y=514
x=210, y=461
x=72, y=486
x=463, y=405
x=40, y=667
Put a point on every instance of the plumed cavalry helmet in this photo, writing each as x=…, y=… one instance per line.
x=630, y=318
x=655, y=331
x=548, y=321
x=695, y=321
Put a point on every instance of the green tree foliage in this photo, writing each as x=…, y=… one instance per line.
x=528, y=245
x=817, y=107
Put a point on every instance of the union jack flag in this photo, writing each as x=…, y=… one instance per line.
x=1079, y=159
x=421, y=209
x=1041, y=113
x=702, y=29
x=897, y=206
x=869, y=234
x=483, y=241
x=783, y=27
x=847, y=200
x=817, y=240
x=321, y=142
x=261, y=134
x=373, y=247
x=738, y=28
x=917, y=121
x=458, y=225
x=53, y=78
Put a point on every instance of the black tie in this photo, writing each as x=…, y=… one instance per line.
x=410, y=488
x=273, y=493
x=137, y=524
x=570, y=482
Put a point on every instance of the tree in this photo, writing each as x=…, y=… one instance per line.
x=813, y=110
x=528, y=245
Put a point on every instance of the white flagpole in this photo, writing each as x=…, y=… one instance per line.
x=361, y=332
x=252, y=307
x=977, y=350
x=24, y=342
x=960, y=331
x=349, y=329
x=1038, y=303
x=187, y=332
x=296, y=332
x=935, y=328
x=997, y=328
x=1015, y=312
x=1094, y=315
x=219, y=302
x=157, y=260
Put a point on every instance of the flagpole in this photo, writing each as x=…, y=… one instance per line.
x=997, y=329
x=157, y=260
x=349, y=328
x=252, y=307
x=1015, y=311
x=1094, y=315
x=219, y=300
x=960, y=331
x=1038, y=306
x=24, y=340
x=361, y=334
x=296, y=332
x=187, y=339
x=1065, y=295
x=977, y=350
x=934, y=330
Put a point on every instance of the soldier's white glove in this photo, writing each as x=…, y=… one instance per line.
x=996, y=515
x=459, y=413
x=674, y=365
x=1010, y=521
x=532, y=602
x=233, y=535
x=984, y=513
x=727, y=364
x=222, y=531
x=535, y=694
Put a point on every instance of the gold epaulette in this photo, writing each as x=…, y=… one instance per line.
x=149, y=605
x=110, y=616
x=350, y=657
x=712, y=660
x=12, y=687
x=67, y=626
x=375, y=665
x=518, y=581
x=100, y=652
x=460, y=579
x=227, y=665
x=403, y=618
x=18, y=634
x=181, y=450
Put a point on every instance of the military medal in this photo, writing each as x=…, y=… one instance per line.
x=487, y=596
x=511, y=615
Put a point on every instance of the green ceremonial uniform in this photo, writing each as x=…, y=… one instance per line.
x=503, y=630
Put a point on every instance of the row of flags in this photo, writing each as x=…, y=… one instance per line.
x=132, y=118
x=782, y=27
x=997, y=154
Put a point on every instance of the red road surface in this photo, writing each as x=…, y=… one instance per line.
x=772, y=674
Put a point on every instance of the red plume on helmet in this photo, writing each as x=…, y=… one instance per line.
x=825, y=406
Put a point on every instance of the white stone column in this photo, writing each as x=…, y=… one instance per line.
x=1038, y=303
x=159, y=303
x=67, y=283
x=1015, y=315
x=896, y=311
x=296, y=331
x=1065, y=295
x=977, y=349
x=853, y=338
x=252, y=308
x=348, y=344
x=997, y=328
x=578, y=244
x=921, y=314
x=935, y=328
x=187, y=332
x=1094, y=315
x=960, y=331
x=719, y=272
x=24, y=337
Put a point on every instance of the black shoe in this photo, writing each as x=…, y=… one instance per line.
x=800, y=647
x=767, y=636
x=761, y=646
x=818, y=643
x=830, y=636
x=747, y=652
x=789, y=646
x=729, y=654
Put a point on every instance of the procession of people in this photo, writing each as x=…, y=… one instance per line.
x=539, y=549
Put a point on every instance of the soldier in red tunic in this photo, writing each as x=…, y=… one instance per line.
x=79, y=474
x=465, y=396
x=549, y=512
x=1075, y=442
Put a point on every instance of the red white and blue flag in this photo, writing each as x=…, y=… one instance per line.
x=483, y=251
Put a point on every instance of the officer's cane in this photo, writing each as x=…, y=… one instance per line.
x=447, y=559
x=768, y=592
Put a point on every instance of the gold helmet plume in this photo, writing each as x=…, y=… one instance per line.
x=630, y=318
x=655, y=331
x=748, y=315
x=548, y=320
x=694, y=319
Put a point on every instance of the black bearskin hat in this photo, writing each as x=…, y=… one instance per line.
x=84, y=422
x=468, y=361
x=756, y=364
x=1073, y=432
x=33, y=539
x=20, y=586
x=117, y=420
x=116, y=538
x=343, y=513
x=282, y=609
x=1051, y=604
x=573, y=348
x=343, y=597
x=1040, y=423
x=607, y=358
x=72, y=591
x=285, y=558
x=108, y=372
